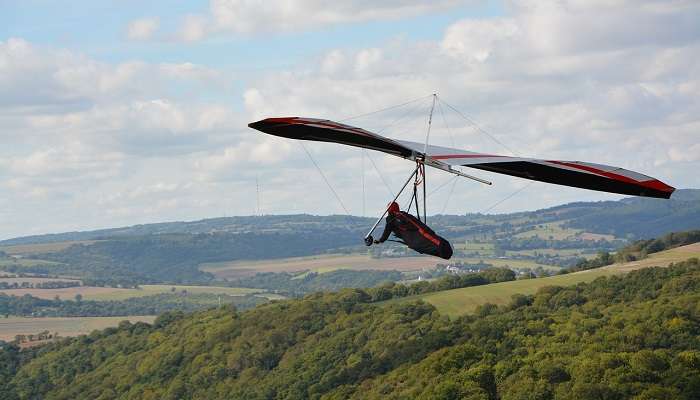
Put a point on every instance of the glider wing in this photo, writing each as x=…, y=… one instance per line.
x=323, y=130
x=585, y=175
x=578, y=174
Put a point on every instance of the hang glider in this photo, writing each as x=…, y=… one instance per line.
x=578, y=174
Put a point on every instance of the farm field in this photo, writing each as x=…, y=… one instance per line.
x=324, y=263
x=148, y=290
x=72, y=326
x=553, y=252
x=41, y=247
x=507, y=262
x=461, y=301
x=107, y=293
x=549, y=230
x=25, y=262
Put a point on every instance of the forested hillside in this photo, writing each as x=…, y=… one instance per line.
x=635, y=336
x=174, y=258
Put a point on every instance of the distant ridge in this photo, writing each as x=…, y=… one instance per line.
x=632, y=217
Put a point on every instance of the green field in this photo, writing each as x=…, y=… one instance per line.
x=507, y=262
x=320, y=264
x=553, y=252
x=326, y=263
x=461, y=301
x=107, y=293
x=551, y=230
x=73, y=326
x=148, y=290
x=25, y=262
x=41, y=247
x=485, y=249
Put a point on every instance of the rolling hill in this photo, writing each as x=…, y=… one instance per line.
x=635, y=336
x=632, y=218
x=462, y=301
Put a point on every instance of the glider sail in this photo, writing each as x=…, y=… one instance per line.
x=578, y=174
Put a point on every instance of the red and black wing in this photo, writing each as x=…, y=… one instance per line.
x=578, y=174
x=585, y=175
x=323, y=130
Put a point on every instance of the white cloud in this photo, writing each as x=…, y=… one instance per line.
x=245, y=16
x=90, y=144
x=567, y=80
x=74, y=128
x=142, y=29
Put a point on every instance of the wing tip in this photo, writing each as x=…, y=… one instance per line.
x=661, y=190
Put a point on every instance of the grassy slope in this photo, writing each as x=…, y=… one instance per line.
x=35, y=248
x=327, y=263
x=68, y=326
x=460, y=301
x=108, y=293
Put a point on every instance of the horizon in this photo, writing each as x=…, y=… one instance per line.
x=123, y=114
x=2, y=239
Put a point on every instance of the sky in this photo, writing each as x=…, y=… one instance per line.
x=116, y=113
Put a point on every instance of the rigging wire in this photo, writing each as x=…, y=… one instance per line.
x=452, y=142
x=324, y=178
x=363, y=182
x=453, y=178
x=447, y=201
x=381, y=176
x=444, y=120
x=408, y=112
x=506, y=198
x=480, y=129
x=385, y=109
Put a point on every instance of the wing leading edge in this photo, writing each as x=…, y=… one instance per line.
x=578, y=174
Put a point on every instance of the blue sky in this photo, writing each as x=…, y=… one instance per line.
x=97, y=28
x=123, y=112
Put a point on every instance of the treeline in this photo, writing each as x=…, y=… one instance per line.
x=517, y=244
x=39, y=285
x=633, y=336
x=30, y=306
x=393, y=290
x=381, y=285
x=639, y=250
x=295, y=284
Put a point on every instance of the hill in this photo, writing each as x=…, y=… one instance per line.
x=634, y=336
x=628, y=218
x=457, y=302
x=204, y=251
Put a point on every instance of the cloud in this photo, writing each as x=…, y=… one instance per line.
x=88, y=143
x=569, y=80
x=244, y=16
x=75, y=128
x=142, y=29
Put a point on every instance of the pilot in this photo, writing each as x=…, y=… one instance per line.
x=414, y=233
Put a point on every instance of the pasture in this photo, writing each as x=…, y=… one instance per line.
x=551, y=230
x=462, y=301
x=357, y=262
x=322, y=263
x=68, y=326
x=148, y=290
x=23, y=249
x=108, y=293
x=25, y=262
